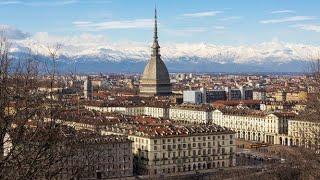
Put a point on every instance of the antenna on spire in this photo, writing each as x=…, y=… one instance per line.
x=155, y=9
x=155, y=23
x=155, y=45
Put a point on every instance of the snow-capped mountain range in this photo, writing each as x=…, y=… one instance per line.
x=94, y=53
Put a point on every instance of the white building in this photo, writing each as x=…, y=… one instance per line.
x=88, y=88
x=254, y=126
x=157, y=112
x=192, y=96
x=259, y=95
x=132, y=110
x=191, y=114
x=302, y=133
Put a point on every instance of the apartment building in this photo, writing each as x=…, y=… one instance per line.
x=99, y=157
x=157, y=112
x=127, y=110
x=153, y=111
x=302, y=133
x=189, y=113
x=162, y=148
x=254, y=125
x=74, y=154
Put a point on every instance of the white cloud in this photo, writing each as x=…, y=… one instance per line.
x=282, y=11
x=127, y=24
x=11, y=32
x=40, y=3
x=202, y=14
x=52, y=3
x=9, y=2
x=288, y=19
x=219, y=27
x=195, y=29
x=309, y=27
x=185, y=31
x=79, y=23
x=231, y=18
x=75, y=45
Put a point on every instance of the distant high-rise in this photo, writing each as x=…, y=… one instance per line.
x=88, y=88
x=155, y=79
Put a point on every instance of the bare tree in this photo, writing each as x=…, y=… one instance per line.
x=36, y=149
x=306, y=159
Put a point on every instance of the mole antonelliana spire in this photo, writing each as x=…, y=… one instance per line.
x=155, y=45
x=155, y=79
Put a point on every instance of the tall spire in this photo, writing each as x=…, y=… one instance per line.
x=155, y=25
x=155, y=46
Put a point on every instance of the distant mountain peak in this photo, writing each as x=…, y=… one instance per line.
x=96, y=49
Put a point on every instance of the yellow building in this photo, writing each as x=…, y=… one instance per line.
x=280, y=96
x=296, y=96
x=302, y=133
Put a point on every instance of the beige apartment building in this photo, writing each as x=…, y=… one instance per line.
x=81, y=154
x=254, y=125
x=128, y=110
x=302, y=133
x=169, y=149
x=162, y=147
x=186, y=113
x=99, y=157
x=157, y=112
x=191, y=113
x=153, y=111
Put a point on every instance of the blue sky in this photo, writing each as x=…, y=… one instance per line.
x=223, y=22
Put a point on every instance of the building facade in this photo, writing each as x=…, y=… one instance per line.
x=157, y=112
x=153, y=111
x=191, y=114
x=99, y=158
x=88, y=88
x=233, y=94
x=259, y=95
x=194, y=97
x=260, y=127
x=177, y=150
x=216, y=95
x=302, y=133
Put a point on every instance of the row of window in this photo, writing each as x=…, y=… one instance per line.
x=199, y=138
x=199, y=152
x=194, y=167
x=180, y=146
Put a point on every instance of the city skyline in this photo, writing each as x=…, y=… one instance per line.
x=159, y=89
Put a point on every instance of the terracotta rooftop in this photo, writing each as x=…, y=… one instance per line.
x=201, y=107
x=242, y=112
x=140, y=125
x=236, y=102
x=255, y=113
x=153, y=127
